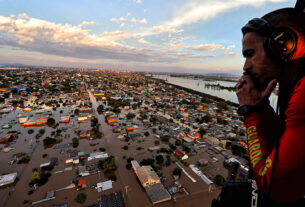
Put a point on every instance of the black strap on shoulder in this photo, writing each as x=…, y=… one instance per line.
x=299, y=75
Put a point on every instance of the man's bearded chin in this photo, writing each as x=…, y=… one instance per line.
x=260, y=84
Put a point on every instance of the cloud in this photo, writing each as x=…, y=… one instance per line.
x=142, y=21
x=204, y=10
x=206, y=47
x=122, y=25
x=67, y=40
x=231, y=54
x=118, y=20
x=133, y=19
x=143, y=42
x=138, y=1
x=84, y=23
x=164, y=29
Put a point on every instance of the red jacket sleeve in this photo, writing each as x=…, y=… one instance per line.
x=289, y=172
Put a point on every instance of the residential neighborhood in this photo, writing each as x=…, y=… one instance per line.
x=84, y=137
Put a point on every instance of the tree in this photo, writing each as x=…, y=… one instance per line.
x=109, y=164
x=75, y=142
x=160, y=159
x=41, y=131
x=148, y=161
x=48, y=141
x=146, y=134
x=219, y=180
x=207, y=118
x=177, y=171
x=51, y=122
x=100, y=109
x=202, y=132
x=30, y=131
x=178, y=142
x=128, y=166
x=165, y=138
x=36, y=175
x=112, y=177
x=81, y=198
x=76, y=111
x=125, y=147
x=157, y=142
x=222, y=105
x=130, y=116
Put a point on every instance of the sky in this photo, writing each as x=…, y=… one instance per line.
x=184, y=36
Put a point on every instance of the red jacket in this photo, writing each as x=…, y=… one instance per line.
x=262, y=129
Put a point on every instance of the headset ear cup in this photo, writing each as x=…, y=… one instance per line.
x=281, y=44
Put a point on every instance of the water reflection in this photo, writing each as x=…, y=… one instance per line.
x=201, y=86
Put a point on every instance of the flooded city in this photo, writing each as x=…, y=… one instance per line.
x=91, y=137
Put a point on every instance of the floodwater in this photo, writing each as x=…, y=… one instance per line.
x=199, y=85
x=133, y=194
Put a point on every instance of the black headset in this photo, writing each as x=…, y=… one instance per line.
x=279, y=43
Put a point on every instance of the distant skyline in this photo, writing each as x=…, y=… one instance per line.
x=188, y=36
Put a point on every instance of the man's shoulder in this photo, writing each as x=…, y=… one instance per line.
x=301, y=84
x=296, y=106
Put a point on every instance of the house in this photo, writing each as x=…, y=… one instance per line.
x=181, y=154
x=147, y=175
x=203, y=162
x=8, y=179
x=135, y=165
x=129, y=128
x=82, y=184
x=112, y=120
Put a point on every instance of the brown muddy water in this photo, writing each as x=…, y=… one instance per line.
x=134, y=195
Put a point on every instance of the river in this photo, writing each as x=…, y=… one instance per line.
x=199, y=85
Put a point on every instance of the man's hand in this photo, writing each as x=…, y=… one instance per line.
x=249, y=95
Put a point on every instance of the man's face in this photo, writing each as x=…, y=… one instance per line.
x=260, y=68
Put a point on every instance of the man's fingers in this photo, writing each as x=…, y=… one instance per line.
x=269, y=88
x=248, y=81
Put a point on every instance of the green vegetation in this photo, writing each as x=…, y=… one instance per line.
x=128, y=166
x=41, y=131
x=185, y=163
x=165, y=138
x=202, y=132
x=177, y=171
x=102, y=149
x=157, y=142
x=146, y=134
x=178, y=142
x=81, y=198
x=219, y=180
x=108, y=164
x=39, y=178
x=51, y=122
x=168, y=160
x=130, y=116
x=75, y=142
x=48, y=141
x=222, y=105
x=125, y=147
x=160, y=159
x=30, y=131
x=24, y=159
x=112, y=177
x=148, y=161
x=100, y=109
x=44, y=155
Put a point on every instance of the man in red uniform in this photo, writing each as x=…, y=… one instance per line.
x=274, y=49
